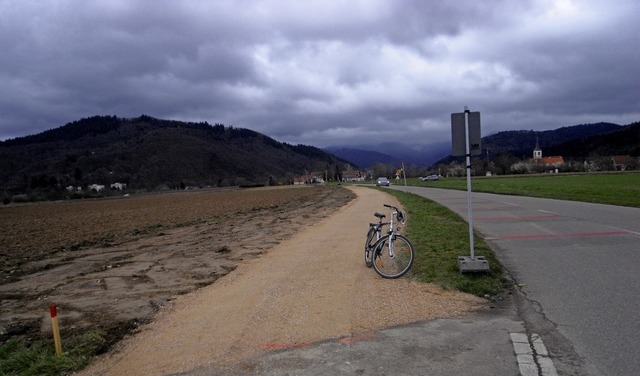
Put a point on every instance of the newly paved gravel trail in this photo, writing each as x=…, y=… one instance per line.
x=310, y=288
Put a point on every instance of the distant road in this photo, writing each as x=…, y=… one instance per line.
x=579, y=268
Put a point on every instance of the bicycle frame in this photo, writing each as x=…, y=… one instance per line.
x=380, y=225
x=392, y=229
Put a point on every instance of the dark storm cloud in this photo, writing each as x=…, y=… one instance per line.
x=320, y=72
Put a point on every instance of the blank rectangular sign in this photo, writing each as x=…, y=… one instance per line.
x=458, y=135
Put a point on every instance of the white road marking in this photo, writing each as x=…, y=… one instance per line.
x=508, y=203
x=625, y=230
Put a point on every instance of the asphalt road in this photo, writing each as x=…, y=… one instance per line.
x=578, y=265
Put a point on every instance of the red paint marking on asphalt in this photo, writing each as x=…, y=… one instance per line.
x=508, y=207
x=494, y=208
x=516, y=218
x=546, y=236
x=278, y=346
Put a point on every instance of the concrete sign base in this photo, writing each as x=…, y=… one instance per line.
x=478, y=264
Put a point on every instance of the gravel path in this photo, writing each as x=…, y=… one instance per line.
x=310, y=288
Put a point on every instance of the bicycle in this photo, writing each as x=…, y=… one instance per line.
x=390, y=255
x=375, y=233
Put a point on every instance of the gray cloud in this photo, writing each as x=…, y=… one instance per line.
x=320, y=72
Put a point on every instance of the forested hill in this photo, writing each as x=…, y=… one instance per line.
x=522, y=142
x=148, y=153
x=623, y=141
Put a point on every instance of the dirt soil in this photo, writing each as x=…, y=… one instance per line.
x=113, y=263
x=312, y=287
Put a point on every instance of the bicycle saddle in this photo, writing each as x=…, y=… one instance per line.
x=379, y=215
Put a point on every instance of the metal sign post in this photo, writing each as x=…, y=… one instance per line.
x=465, y=137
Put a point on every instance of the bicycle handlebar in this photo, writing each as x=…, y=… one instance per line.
x=399, y=214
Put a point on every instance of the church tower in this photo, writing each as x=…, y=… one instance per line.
x=537, y=152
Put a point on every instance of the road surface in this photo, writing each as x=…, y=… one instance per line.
x=578, y=265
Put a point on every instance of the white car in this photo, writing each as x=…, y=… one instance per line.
x=430, y=178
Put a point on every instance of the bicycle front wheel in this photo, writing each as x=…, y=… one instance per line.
x=393, y=256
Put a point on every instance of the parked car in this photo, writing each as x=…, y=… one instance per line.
x=430, y=178
x=382, y=182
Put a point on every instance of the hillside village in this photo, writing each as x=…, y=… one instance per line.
x=107, y=155
x=555, y=164
x=538, y=163
x=348, y=175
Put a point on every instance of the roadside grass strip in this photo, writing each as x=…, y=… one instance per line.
x=439, y=236
x=38, y=358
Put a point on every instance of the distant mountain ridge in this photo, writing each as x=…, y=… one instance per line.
x=149, y=153
x=363, y=158
x=577, y=141
x=366, y=156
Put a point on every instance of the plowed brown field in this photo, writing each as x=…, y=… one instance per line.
x=112, y=263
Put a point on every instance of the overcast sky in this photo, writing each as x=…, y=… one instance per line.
x=321, y=72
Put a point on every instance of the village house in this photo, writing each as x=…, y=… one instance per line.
x=620, y=162
x=96, y=187
x=120, y=186
x=353, y=175
x=551, y=161
x=310, y=178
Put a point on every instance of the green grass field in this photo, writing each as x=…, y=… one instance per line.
x=606, y=188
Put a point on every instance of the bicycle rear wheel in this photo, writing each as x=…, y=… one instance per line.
x=393, y=256
x=368, y=250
